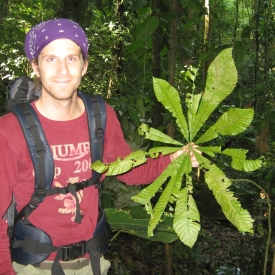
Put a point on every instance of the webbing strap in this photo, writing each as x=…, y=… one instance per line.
x=21, y=95
x=93, y=247
x=97, y=124
x=40, y=152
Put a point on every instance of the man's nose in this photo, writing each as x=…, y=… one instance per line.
x=63, y=67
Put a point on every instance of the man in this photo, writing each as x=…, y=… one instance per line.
x=57, y=50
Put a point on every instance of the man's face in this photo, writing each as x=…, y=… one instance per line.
x=60, y=68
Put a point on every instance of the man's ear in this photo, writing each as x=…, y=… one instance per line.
x=35, y=68
x=85, y=67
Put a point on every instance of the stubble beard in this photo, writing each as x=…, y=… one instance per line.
x=60, y=92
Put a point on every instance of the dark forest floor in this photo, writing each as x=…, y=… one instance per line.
x=219, y=250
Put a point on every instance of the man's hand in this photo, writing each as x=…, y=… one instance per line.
x=187, y=150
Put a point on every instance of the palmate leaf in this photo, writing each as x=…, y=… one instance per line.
x=187, y=217
x=121, y=166
x=221, y=80
x=154, y=152
x=170, y=99
x=239, y=161
x=182, y=166
x=192, y=102
x=218, y=183
x=156, y=135
x=171, y=170
x=210, y=150
x=232, y=122
x=148, y=192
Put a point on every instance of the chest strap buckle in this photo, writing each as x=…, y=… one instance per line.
x=73, y=251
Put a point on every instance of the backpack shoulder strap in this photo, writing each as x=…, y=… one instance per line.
x=96, y=115
x=40, y=153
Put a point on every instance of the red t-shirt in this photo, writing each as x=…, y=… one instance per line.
x=69, y=142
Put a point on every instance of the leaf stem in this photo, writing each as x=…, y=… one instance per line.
x=114, y=237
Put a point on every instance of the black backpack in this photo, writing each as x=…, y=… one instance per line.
x=30, y=245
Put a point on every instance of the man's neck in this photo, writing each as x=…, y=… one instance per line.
x=60, y=110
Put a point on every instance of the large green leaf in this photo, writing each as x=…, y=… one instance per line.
x=194, y=5
x=169, y=97
x=232, y=122
x=148, y=192
x=239, y=161
x=121, y=166
x=133, y=115
x=156, y=135
x=187, y=217
x=221, y=80
x=210, y=150
x=183, y=167
x=147, y=28
x=192, y=102
x=154, y=152
x=135, y=221
x=218, y=183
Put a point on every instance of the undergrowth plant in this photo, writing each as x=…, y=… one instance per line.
x=175, y=182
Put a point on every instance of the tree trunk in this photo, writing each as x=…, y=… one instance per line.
x=236, y=20
x=156, y=72
x=206, y=24
x=73, y=9
x=257, y=43
x=3, y=10
x=206, y=36
x=266, y=44
x=174, y=7
x=117, y=64
x=168, y=259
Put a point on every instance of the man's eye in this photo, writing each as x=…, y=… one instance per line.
x=50, y=59
x=72, y=59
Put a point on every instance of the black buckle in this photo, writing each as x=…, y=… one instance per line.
x=39, y=192
x=38, y=196
x=73, y=251
x=81, y=185
x=99, y=133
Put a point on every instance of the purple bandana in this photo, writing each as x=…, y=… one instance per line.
x=44, y=33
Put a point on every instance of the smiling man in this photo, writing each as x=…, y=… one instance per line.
x=57, y=50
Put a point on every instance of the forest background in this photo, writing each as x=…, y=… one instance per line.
x=133, y=41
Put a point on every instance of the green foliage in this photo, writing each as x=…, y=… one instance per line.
x=175, y=182
x=135, y=221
